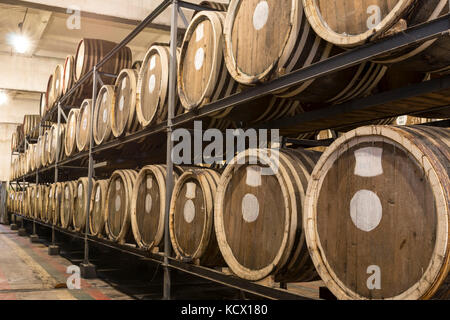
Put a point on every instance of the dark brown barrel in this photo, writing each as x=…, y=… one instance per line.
x=102, y=114
x=255, y=52
x=148, y=207
x=97, y=214
x=118, y=206
x=192, y=217
x=56, y=144
x=68, y=201
x=79, y=215
x=92, y=51
x=49, y=94
x=70, y=144
x=259, y=211
x=153, y=84
x=30, y=125
x=68, y=78
x=377, y=213
x=351, y=23
x=83, y=130
x=123, y=112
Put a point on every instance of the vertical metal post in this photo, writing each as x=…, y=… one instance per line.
x=169, y=178
x=58, y=150
x=91, y=168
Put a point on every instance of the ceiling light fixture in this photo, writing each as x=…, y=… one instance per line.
x=19, y=41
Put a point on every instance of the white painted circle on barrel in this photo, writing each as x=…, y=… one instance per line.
x=250, y=208
x=80, y=190
x=121, y=103
x=124, y=83
x=260, y=15
x=148, y=203
x=105, y=115
x=104, y=98
x=152, y=83
x=118, y=203
x=152, y=62
x=57, y=84
x=366, y=210
x=97, y=195
x=189, y=211
x=199, y=58
x=84, y=123
x=401, y=121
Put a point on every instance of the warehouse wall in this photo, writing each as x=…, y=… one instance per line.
x=11, y=114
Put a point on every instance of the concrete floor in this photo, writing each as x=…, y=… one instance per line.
x=27, y=272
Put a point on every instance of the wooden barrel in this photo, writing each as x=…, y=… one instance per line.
x=352, y=23
x=30, y=125
x=83, y=129
x=14, y=141
x=255, y=52
x=45, y=148
x=213, y=5
x=70, y=144
x=33, y=156
x=37, y=153
x=79, y=216
x=123, y=112
x=68, y=78
x=118, y=206
x=97, y=214
x=39, y=194
x=49, y=204
x=102, y=114
x=56, y=144
x=50, y=94
x=92, y=51
x=68, y=201
x=384, y=233
x=202, y=75
x=42, y=202
x=192, y=217
x=58, y=79
x=258, y=214
x=153, y=87
x=56, y=204
x=148, y=207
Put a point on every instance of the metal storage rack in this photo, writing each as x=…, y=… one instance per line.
x=314, y=120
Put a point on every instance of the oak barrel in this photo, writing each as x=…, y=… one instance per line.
x=102, y=114
x=258, y=214
x=351, y=23
x=57, y=202
x=50, y=94
x=70, y=144
x=83, y=129
x=38, y=153
x=79, y=215
x=97, y=214
x=58, y=79
x=30, y=125
x=191, y=217
x=268, y=39
x=377, y=213
x=68, y=78
x=56, y=144
x=123, y=111
x=45, y=148
x=68, y=201
x=118, y=206
x=148, y=206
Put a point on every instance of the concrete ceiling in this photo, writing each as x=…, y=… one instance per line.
x=45, y=24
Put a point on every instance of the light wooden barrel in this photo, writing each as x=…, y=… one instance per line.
x=68, y=194
x=192, y=217
x=33, y=157
x=97, y=214
x=202, y=74
x=45, y=148
x=92, y=51
x=123, y=112
x=43, y=201
x=70, y=144
x=83, y=129
x=377, y=213
x=37, y=153
x=57, y=203
x=54, y=146
x=14, y=141
x=50, y=93
x=118, y=206
x=40, y=195
x=68, y=78
x=153, y=84
x=79, y=216
x=102, y=114
x=30, y=124
x=49, y=204
x=258, y=215
x=256, y=52
x=353, y=23
x=148, y=207
x=58, y=79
